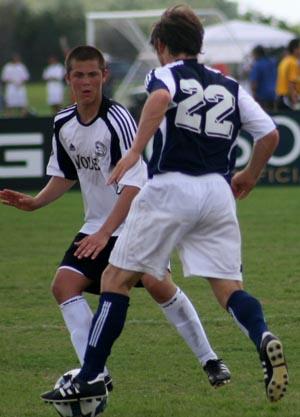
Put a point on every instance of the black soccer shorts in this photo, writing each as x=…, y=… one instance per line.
x=90, y=268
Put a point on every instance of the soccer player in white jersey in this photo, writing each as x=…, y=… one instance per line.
x=54, y=75
x=15, y=75
x=89, y=138
x=195, y=115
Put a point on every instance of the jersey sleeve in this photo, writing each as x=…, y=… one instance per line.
x=125, y=130
x=60, y=164
x=254, y=119
x=160, y=78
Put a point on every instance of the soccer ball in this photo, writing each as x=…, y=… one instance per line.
x=81, y=408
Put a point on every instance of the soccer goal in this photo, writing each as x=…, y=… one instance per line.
x=123, y=37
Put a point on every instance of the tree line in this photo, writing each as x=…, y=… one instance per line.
x=37, y=35
x=36, y=29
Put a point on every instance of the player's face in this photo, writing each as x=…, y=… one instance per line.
x=86, y=80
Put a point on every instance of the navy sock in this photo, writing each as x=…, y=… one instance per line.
x=106, y=327
x=248, y=313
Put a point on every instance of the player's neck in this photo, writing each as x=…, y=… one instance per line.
x=184, y=56
x=88, y=112
x=172, y=58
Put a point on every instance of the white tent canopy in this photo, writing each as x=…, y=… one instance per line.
x=231, y=41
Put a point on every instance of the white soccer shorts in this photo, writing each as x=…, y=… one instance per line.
x=196, y=215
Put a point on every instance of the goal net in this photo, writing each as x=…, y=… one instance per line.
x=123, y=37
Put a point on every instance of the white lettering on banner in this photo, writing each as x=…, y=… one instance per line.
x=294, y=154
x=277, y=161
x=23, y=162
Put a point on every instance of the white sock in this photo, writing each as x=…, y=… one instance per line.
x=182, y=314
x=78, y=318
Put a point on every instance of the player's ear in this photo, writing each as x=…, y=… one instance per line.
x=160, y=46
x=105, y=74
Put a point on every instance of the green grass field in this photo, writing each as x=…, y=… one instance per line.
x=155, y=374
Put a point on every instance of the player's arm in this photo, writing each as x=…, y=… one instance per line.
x=261, y=127
x=243, y=181
x=152, y=115
x=55, y=188
x=92, y=245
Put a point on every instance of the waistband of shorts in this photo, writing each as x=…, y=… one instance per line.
x=179, y=177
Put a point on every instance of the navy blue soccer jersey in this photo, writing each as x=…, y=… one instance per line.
x=199, y=132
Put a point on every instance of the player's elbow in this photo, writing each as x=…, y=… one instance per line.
x=274, y=139
x=270, y=141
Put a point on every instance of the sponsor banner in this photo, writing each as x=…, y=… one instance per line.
x=25, y=146
x=284, y=165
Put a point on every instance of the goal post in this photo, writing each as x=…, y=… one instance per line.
x=112, y=29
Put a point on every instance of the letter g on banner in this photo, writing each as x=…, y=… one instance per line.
x=19, y=156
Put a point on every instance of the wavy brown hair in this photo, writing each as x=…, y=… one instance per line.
x=180, y=29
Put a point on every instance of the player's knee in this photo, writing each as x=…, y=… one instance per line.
x=160, y=291
x=56, y=290
x=111, y=279
x=117, y=280
x=59, y=291
x=223, y=289
x=64, y=288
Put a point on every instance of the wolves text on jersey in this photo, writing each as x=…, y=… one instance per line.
x=87, y=162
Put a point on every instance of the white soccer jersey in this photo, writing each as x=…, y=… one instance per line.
x=14, y=75
x=54, y=75
x=89, y=152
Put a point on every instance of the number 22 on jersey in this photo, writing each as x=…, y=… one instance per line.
x=215, y=124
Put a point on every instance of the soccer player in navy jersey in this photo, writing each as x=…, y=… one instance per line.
x=89, y=138
x=194, y=114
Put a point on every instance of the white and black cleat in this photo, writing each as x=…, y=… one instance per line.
x=275, y=367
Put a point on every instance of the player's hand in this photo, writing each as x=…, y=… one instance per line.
x=242, y=183
x=90, y=246
x=19, y=200
x=123, y=166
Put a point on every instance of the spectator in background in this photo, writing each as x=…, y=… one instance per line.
x=54, y=75
x=15, y=75
x=288, y=78
x=262, y=78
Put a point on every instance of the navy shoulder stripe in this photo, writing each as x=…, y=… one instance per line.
x=125, y=122
x=64, y=161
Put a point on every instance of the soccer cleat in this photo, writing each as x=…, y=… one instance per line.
x=217, y=372
x=75, y=390
x=274, y=366
x=108, y=382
